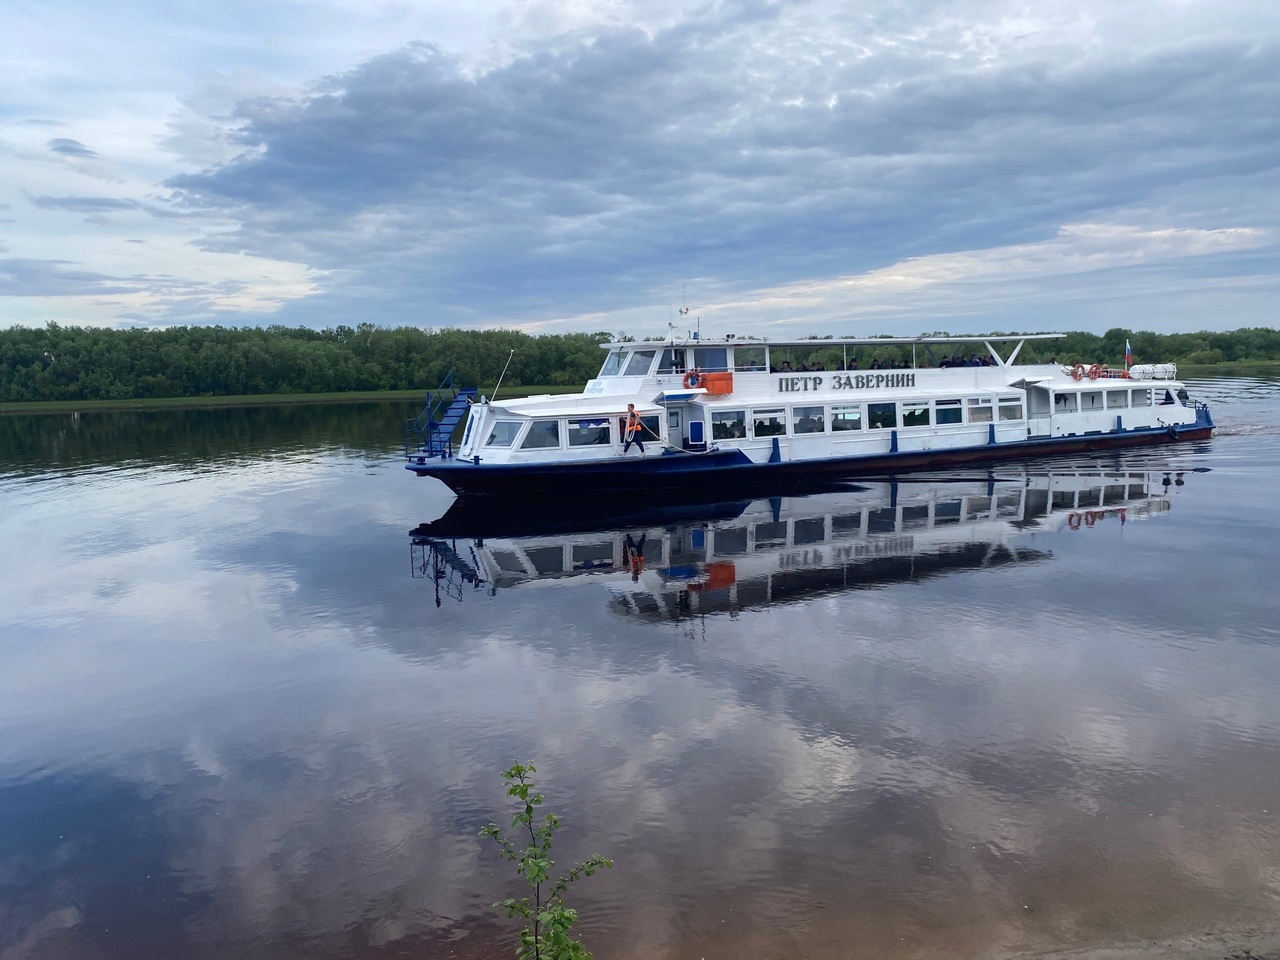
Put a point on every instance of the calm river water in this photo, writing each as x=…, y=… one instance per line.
x=243, y=713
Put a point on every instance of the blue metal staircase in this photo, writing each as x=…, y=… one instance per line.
x=431, y=431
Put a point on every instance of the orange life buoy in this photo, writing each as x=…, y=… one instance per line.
x=1090, y=518
x=1077, y=372
x=1073, y=521
x=692, y=379
x=1094, y=372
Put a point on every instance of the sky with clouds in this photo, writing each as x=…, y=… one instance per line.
x=555, y=165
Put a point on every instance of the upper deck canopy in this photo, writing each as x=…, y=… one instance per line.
x=732, y=341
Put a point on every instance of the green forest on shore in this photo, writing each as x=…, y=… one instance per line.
x=57, y=363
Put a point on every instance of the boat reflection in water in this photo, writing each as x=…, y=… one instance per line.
x=669, y=563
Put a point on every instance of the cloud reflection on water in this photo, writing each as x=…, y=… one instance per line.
x=239, y=675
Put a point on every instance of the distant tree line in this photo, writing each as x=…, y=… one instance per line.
x=87, y=363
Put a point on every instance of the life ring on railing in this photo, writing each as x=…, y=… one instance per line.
x=692, y=379
x=1073, y=521
x=1095, y=372
x=1090, y=518
x=1077, y=372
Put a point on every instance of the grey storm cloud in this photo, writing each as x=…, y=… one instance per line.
x=629, y=159
x=71, y=148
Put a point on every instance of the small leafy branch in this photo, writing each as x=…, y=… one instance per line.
x=547, y=919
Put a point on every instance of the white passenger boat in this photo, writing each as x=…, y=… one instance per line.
x=720, y=415
x=667, y=564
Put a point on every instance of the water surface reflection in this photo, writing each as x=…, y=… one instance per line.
x=241, y=715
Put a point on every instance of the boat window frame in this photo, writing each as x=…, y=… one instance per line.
x=1148, y=401
x=597, y=423
x=778, y=413
x=636, y=355
x=1005, y=404
x=1071, y=401
x=518, y=426
x=982, y=405
x=701, y=364
x=876, y=411
x=1101, y=405
x=717, y=418
x=948, y=407
x=1124, y=394
x=820, y=419
x=672, y=360
x=620, y=354
x=837, y=409
x=530, y=433
x=760, y=366
x=916, y=407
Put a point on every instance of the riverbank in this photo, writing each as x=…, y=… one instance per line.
x=246, y=400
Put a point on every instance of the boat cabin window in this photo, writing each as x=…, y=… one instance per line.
x=846, y=418
x=1117, y=399
x=728, y=424
x=640, y=363
x=648, y=428
x=542, y=434
x=711, y=359
x=1142, y=398
x=949, y=411
x=1064, y=403
x=915, y=414
x=612, y=364
x=882, y=416
x=979, y=410
x=1010, y=408
x=807, y=420
x=1092, y=400
x=768, y=423
x=589, y=433
x=672, y=361
x=748, y=359
x=503, y=433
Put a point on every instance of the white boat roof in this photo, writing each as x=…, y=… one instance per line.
x=571, y=404
x=731, y=341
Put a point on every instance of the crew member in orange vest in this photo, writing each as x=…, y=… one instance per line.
x=635, y=426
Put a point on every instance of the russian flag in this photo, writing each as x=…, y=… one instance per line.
x=1128, y=355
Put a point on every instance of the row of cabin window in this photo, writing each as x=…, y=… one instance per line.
x=1093, y=400
x=840, y=418
x=579, y=432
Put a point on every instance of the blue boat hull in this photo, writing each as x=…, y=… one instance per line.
x=725, y=471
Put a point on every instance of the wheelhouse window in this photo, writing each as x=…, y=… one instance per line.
x=728, y=424
x=748, y=359
x=980, y=410
x=846, y=418
x=882, y=416
x=612, y=364
x=915, y=414
x=503, y=433
x=672, y=361
x=542, y=434
x=1010, y=408
x=949, y=411
x=589, y=433
x=640, y=363
x=1142, y=398
x=1117, y=399
x=806, y=420
x=768, y=423
x=711, y=359
x=1091, y=400
x=1064, y=403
